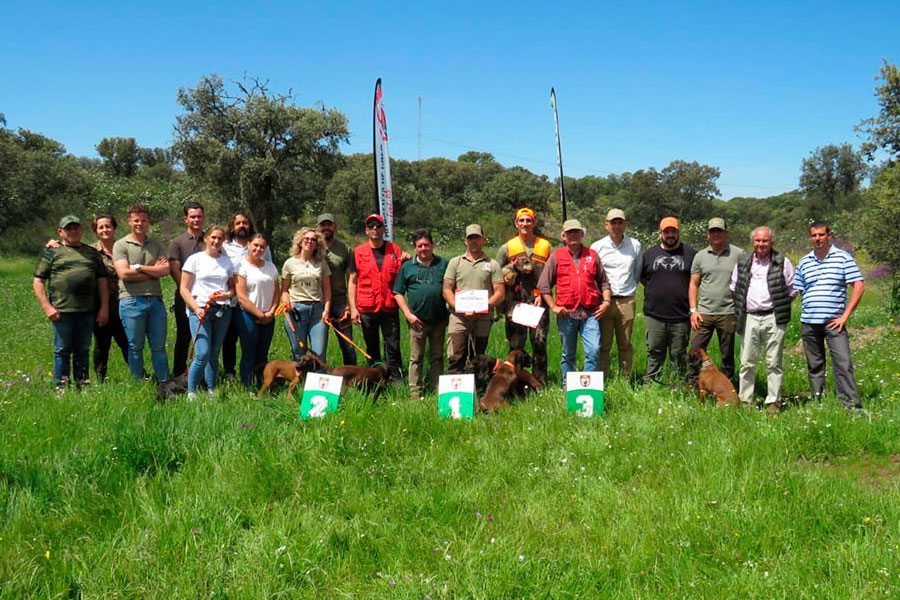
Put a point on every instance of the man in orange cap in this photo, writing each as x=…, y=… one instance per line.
x=666, y=275
x=527, y=243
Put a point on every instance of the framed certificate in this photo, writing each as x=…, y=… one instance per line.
x=472, y=301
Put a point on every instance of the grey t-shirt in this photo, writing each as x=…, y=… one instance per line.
x=714, y=294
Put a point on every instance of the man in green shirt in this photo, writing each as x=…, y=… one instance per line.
x=709, y=295
x=337, y=255
x=473, y=270
x=422, y=278
x=70, y=282
x=140, y=263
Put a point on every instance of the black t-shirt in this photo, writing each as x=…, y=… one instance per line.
x=666, y=275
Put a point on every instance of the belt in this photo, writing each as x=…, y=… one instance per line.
x=621, y=297
x=307, y=302
x=760, y=313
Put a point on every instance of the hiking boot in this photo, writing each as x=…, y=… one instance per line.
x=772, y=409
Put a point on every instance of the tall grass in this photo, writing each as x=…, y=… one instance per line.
x=106, y=493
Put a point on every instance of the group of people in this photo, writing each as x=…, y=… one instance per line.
x=228, y=290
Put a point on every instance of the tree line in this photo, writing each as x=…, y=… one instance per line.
x=240, y=145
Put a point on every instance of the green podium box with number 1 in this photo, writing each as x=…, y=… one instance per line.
x=584, y=393
x=456, y=396
x=320, y=395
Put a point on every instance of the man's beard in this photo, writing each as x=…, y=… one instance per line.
x=242, y=233
x=670, y=242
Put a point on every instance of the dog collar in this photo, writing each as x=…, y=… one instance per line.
x=506, y=362
x=706, y=363
x=497, y=365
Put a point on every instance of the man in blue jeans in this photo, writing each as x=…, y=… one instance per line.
x=140, y=263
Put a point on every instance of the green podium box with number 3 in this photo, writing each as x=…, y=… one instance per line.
x=320, y=395
x=584, y=393
x=456, y=396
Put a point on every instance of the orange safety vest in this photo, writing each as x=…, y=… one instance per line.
x=540, y=253
x=577, y=285
x=374, y=287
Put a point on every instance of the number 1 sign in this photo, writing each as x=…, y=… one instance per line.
x=584, y=393
x=320, y=395
x=456, y=396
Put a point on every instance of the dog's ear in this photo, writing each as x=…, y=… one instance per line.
x=524, y=361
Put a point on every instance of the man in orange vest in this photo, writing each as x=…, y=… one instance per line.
x=373, y=267
x=526, y=243
x=582, y=296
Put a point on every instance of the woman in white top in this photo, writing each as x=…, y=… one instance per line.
x=306, y=284
x=207, y=286
x=256, y=284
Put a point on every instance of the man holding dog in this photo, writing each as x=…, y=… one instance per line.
x=620, y=256
x=140, y=263
x=426, y=312
x=373, y=268
x=762, y=283
x=583, y=296
x=473, y=270
x=337, y=255
x=822, y=277
x=709, y=295
x=666, y=275
x=188, y=243
x=68, y=281
x=526, y=243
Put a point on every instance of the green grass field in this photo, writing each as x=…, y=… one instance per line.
x=108, y=494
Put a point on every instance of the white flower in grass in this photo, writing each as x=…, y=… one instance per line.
x=280, y=549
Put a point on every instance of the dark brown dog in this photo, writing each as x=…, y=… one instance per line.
x=370, y=379
x=711, y=381
x=281, y=369
x=520, y=278
x=507, y=378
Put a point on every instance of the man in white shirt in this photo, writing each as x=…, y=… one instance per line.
x=621, y=257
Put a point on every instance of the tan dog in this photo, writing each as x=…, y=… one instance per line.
x=281, y=369
x=711, y=381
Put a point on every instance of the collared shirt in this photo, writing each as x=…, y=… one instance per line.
x=824, y=284
x=480, y=274
x=622, y=263
x=714, y=293
x=758, y=297
x=184, y=245
x=548, y=280
x=423, y=286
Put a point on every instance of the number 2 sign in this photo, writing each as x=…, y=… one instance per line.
x=320, y=395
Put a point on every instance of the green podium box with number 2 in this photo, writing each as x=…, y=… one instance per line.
x=584, y=393
x=456, y=396
x=320, y=395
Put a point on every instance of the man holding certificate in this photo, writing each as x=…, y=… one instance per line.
x=582, y=296
x=473, y=284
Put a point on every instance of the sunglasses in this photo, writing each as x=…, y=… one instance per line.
x=312, y=240
x=374, y=225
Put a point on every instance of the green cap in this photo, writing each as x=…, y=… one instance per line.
x=69, y=220
x=325, y=217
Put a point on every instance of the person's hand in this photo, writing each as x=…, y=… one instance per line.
x=560, y=311
x=696, y=320
x=838, y=324
x=162, y=260
x=354, y=316
x=200, y=312
x=405, y=256
x=601, y=310
x=52, y=244
x=218, y=295
x=538, y=301
x=102, y=317
x=415, y=322
x=52, y=313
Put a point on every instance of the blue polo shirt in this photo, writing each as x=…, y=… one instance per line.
x=824, y=284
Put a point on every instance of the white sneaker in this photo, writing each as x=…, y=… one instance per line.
x=191, y=396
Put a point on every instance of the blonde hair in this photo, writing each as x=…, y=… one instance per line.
x=214, y=228
x=297, y=243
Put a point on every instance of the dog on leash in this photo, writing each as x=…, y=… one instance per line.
x=711, y=381
x=288, y=370
x=369, y=379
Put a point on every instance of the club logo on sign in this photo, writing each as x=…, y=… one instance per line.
x=456, y=396
x=320, y=395
x=584, y=393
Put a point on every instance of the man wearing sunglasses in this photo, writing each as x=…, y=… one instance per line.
x=373, y=268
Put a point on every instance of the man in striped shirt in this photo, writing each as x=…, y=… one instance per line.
x=822, y=277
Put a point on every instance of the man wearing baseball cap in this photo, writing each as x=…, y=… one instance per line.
x=337, y=255
x=527, y=244
x=373, y=268
x=621, y=258
x=710, y=296
x=582, y=296
x=473, y=270
x=666, y=275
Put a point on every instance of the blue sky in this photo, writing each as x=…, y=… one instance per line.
x=749, y=88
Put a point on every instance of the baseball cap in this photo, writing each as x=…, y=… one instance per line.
x=69, y=220
x=524, y=212
x=325, y=217
x=474, y=229
x=615, y=213
x=375, y=217
x=717, y=223
x=668, y=222
x=572, y=224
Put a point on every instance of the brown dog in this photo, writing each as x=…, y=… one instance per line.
x=370, y=379
x=281, y=369
x=711, y=381
x=504, y=381
x=484, y=366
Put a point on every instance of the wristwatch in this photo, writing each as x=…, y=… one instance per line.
x=693, y=310
x=137, y=267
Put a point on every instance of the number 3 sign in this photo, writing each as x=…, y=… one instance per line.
x=584, y=393
x=320, y=395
